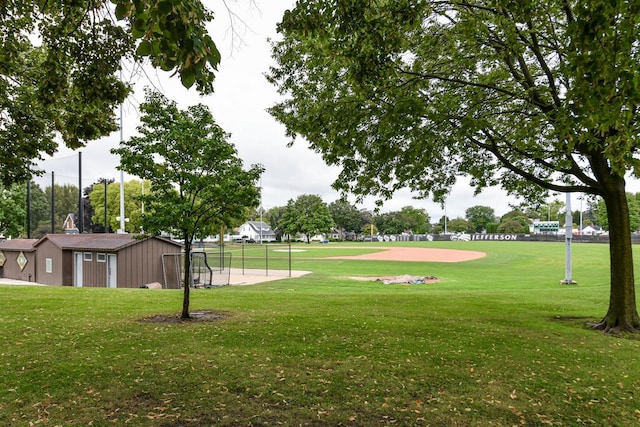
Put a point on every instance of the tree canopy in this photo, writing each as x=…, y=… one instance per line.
x=197, y=179
x=459, y=225
x=345, y=216
x=12, y=210
x=59, y=64
x=307, y=215
x=513, y=222
x=479, y=216
x=533, y=96
x=133, y=206
x=65, y=202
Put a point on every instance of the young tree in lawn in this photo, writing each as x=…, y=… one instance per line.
x=532, y=96
x=308, y=214
x=197, y=180
x=60, y=61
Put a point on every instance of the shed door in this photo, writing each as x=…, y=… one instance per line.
x=112, y=271
x=77, y=265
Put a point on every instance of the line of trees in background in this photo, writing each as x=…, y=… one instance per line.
x=13, y=209
x=307, y=215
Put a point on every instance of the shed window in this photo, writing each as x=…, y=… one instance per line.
x=101, y=257
x=88, y=256
x=48, y=265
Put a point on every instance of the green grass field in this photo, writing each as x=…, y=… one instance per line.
x=498, y=342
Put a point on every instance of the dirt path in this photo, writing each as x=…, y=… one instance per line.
x=417, y=254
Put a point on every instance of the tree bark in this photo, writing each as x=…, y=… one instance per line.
x=187, y=278
x=622, y=314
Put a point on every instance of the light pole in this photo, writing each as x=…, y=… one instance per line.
x=260, y=210
x=581, y=197
x=121, y=230
x=568, y=234
x=445, y=219
x=548, y=212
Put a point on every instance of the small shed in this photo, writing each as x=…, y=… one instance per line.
x=102, y=260
x=18, y=259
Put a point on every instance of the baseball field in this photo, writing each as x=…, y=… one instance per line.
x=492, y=339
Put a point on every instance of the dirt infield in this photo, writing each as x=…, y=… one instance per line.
x=417, y=254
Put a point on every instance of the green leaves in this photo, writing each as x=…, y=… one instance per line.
x=65, y=85
x=308, y=215
x=533, y=96
x=173, y=35
x=197, y=180
x=432, y=90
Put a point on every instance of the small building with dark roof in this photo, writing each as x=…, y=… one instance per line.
x=256, y=231
x=94, y=260
x=18, y=259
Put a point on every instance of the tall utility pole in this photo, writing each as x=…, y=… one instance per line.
x=106, y=223
x=568, y=235
x=29, y=209
x=80, y=207
x=260, y=210
x=53, y=204
x=121, y=229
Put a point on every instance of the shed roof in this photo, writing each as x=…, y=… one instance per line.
x=106, y=242
x=18, y=245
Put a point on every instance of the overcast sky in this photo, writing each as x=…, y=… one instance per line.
x=239, y=105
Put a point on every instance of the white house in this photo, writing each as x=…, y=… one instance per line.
x=255, y=231
x=592, y=230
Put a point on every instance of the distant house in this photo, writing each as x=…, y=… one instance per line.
x=102, y=260
x=69, y=225
x=591, y=230
x=18, y=259
x=255, y=231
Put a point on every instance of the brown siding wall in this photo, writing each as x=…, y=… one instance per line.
x=11, y=269
x=67, y=268
x=163, y=248
x=142, y=263
x=48, y=250
x=94, y=273
x=137, y=264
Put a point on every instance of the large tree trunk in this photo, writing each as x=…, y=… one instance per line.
x=622, y=314
x=187, y=278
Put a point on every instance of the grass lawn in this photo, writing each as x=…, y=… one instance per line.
x=498, y=342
